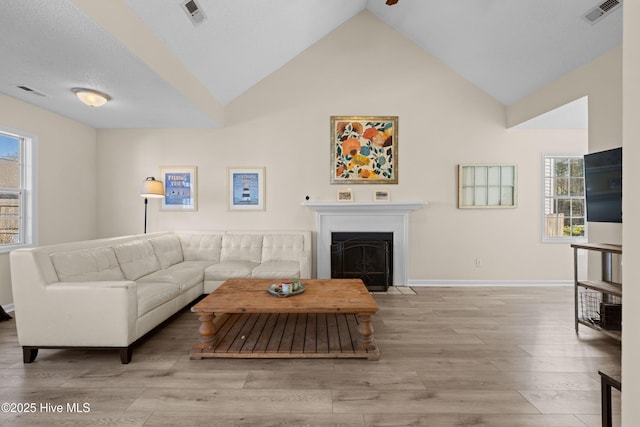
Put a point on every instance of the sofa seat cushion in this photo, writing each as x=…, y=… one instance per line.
x=277, y=270
x=154, y=294
x=136, y=258
x=183, y=276
x=230, y=270
x=88, y=265
x=168, y=250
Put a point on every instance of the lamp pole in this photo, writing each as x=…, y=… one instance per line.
x=150, y=188
x=146, y=202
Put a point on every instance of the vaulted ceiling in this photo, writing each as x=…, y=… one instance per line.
x=163, y=71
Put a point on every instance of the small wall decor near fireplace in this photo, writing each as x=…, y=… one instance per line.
x=363, y=255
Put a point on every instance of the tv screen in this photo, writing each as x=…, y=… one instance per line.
x=603, y=185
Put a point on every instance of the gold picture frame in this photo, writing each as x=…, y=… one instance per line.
x=364, y=150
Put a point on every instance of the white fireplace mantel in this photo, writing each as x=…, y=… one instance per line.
x=364, y=217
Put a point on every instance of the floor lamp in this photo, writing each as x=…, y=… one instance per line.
x=151, y=188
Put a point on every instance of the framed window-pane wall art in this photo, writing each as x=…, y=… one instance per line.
x=487, y=186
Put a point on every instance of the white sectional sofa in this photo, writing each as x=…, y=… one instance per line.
x=109, y=293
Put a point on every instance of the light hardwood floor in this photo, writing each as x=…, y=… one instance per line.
x=490, y=356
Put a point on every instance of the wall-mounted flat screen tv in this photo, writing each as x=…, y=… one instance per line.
x=603, y=185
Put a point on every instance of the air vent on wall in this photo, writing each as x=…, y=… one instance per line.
x=194, y=12
x=30, y=90
x=602, y=10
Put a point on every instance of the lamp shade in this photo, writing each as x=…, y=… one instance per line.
x=91, y=97
x=152, y=188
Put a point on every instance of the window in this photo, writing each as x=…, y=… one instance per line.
x=564, y=202
x=16, y=190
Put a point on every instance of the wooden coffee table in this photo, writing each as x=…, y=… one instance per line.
x=330, y=319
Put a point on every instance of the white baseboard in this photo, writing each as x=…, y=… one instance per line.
x=505, y=283
x=8, y=308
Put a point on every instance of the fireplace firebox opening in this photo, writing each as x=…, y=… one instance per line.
x=363, y=255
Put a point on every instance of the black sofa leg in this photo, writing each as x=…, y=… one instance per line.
x=125, y=355
x=29, y=354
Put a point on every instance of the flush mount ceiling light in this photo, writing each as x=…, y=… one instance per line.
x=91, y=97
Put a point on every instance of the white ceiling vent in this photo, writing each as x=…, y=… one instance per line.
x=193, y=10
x=602, y=10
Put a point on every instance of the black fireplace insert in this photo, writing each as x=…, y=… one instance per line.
x=363, y=255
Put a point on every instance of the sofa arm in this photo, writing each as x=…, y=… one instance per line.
x=83, y=314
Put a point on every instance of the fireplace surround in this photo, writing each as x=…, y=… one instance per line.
x=391, y=217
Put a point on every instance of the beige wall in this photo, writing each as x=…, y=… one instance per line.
x=631, y=208
x=283, y=124
x=601, y=81
x=66, y=177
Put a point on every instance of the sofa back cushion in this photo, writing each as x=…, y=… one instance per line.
x=282, y=247
x=168, y=250
x=87, y=265
x=201, y=246
x=136, y=258
x=241, y=247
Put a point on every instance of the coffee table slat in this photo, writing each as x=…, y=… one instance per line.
x=344, y=335
x=322, y=335
x=299, y=334
x=267, y=332
x=229, y=332
x=310, y=334
x=286, y=342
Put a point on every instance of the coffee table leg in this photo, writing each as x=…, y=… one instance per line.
x=365, y=329
x=207, y=333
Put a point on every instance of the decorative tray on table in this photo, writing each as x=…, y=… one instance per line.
x=276, y=289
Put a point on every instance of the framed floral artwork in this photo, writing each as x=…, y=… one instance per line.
x=180, y=190
x=364, y=150
x=246, y=189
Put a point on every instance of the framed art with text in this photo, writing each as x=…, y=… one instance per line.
x=364, y=150
x=246, y=189
x=180, y=189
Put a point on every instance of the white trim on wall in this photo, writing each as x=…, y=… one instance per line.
x=505, y=283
